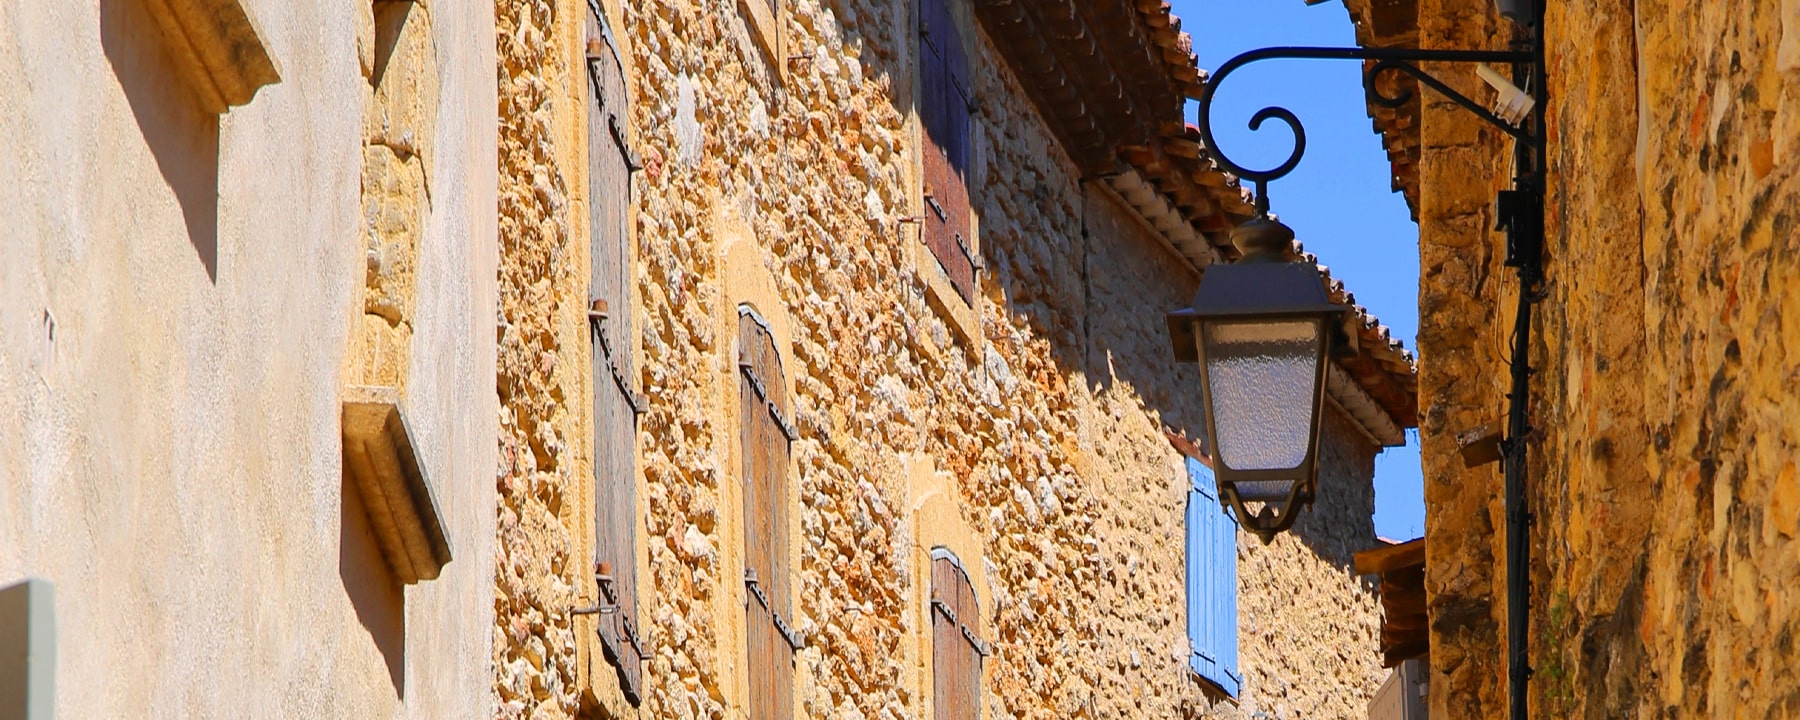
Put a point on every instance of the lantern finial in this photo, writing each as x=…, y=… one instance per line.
x=1262, y=240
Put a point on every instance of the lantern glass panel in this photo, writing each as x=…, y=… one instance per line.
x=1264, y=490
x=1262, y=377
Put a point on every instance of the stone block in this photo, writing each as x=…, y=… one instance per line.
x=380, y=458
x=218, y=47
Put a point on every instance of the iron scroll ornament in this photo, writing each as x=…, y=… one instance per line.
x=1386, y=60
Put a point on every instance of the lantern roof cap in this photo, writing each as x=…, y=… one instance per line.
x=1262, y=285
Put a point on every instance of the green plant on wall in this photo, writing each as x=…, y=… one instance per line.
x=1552, y=671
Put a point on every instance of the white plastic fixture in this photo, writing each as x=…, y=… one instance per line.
x=1513, y=104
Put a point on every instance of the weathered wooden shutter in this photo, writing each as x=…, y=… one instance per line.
x=1211, y=583
x=944, y=111
x=616, y=401
x=767, y=433
x=956, y=644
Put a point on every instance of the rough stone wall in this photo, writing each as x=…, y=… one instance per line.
x=1464, y=323
x=1678, y=606
x=542, y=363
x=398, y=62
x=1309, y=627
x=1597, y=504
x=780, y=182
x=1663, y=484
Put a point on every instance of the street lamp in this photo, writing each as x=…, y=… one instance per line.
x=1255, y=385
x=1262, y=330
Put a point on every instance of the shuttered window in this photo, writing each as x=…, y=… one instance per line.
x=767, y=433
x=1211, y=584
x=616, y=402
x=944, y=111
x=956, y=644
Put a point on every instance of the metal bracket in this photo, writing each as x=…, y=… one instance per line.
x=597, y=317
x=762, y=393
x=604, y=579
x=597, y=50
x=1481, y=444
x=936, y=209
x=781, y=626
x=610, y=593
x=1385, y=60
x=1521, y=209
x=981, y=648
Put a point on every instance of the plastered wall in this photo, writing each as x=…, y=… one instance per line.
x=170, y=451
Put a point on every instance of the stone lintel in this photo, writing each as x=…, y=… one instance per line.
x=219, y=48
x=379, y=458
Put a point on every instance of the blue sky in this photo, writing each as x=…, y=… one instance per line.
x=1338, y=200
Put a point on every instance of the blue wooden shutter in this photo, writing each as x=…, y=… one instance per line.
x=1211, y=583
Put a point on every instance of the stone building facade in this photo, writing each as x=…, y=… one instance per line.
x=779, y=163
x=818, y=346
x=1662, y=482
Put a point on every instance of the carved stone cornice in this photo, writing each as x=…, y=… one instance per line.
x=218, y=48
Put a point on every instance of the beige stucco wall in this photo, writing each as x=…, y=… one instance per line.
x=1035, y=452
x=171, y=459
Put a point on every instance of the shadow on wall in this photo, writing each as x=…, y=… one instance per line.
x=1341, y=521
x=390, y=18
x=378, y=597
x=893, y=44
x=183, y=137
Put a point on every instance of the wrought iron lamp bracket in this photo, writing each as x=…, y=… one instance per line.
x=1404, y=60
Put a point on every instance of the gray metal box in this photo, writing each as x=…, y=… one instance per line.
x=1402, y=697
x=27, y=651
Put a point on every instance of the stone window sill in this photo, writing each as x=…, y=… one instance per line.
x=961, y=315
x=381, y=462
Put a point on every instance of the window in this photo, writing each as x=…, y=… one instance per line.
x=1211, y=584
x=764, y=413
x=944, y=110
x=616, y=402
x=956, y=646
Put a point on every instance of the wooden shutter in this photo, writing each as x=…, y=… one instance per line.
x=956, y=644
x=767, y=433
x=615, y=399
x=944, y=111
x=1211, y=583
